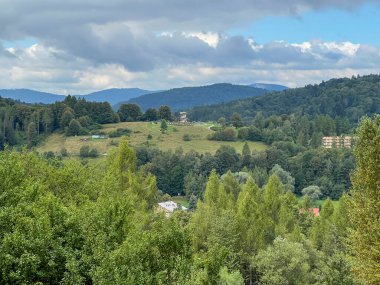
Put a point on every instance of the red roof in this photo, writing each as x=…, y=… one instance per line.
x=315, y=211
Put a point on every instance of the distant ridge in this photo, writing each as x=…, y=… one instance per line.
x=178, y=98
x=269, y=87
x=113, y=96
x=346, y=98
x=188, y=97
x=31, y=96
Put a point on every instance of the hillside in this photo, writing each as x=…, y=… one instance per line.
x=115, y=95
x=112, y=96
x=31, y=96
x=139, y=133
x=188, y=97
x=351, y=98
x=269, y=87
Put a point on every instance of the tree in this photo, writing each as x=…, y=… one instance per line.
x=286, y=178
x=129, y=112
x=222, y=122
x=84, y=151
x=283, y=263
x=74, y=128
x=236, y=120
x=67, y=116
x=32, y=134
x=364, y=214
x=151, y=114
x=163, y=126
x=312, y=191
x=164, y=113
x=230, y=278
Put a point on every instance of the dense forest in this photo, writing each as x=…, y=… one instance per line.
x=68, y=223
x=349, y=98
x=180, y=99
x=26, y=124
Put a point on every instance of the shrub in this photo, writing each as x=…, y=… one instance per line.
x=84, y=151
x=186, y=137
x=64, y=152
x=93, y=153
x=228, y=134
x=119, y=133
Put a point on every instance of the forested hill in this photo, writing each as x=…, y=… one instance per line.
x=344, y=97
x=112, y=96
x=31, y=96
x=188, y=97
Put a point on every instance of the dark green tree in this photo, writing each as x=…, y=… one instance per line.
x=129, y=112
x=164, y=113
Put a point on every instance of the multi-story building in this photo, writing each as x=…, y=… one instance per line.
x=337, y=141
x=183, y=117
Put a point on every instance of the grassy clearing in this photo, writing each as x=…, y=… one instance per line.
x=182, y=200
x=139, y=136
x=319, y=203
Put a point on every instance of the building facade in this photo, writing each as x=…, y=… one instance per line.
x=337, y=141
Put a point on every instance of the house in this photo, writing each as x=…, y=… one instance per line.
x=168, y=207
x=183, y=117
x=337, y=141
x=314, y=211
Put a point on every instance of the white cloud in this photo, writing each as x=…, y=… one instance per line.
x=212, y=39
x=87, y=45
x=232, y=60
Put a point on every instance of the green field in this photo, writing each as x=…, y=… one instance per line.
x=140, y=131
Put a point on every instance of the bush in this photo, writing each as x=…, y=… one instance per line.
x=84, y=151
x=119, y=133
x=149, y=137
x=64, y=152
x=228, y=134
x=93, y=153
x=186, y=137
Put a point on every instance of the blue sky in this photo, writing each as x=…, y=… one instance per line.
x=361, y=25
x=82, y=46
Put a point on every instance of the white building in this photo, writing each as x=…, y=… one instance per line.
x=168, y=207
x=183, y=117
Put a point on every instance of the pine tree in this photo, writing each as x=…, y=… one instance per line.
x=32, y=134
x=364, y=214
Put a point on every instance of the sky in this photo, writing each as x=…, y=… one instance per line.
x=77, y=46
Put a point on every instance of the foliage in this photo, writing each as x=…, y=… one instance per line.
x=312, y=191
x=226, y=134
x=183, y=98
x=129, y=112
x=345, y=99
x=119, y=133
x=186, y=137
x=364, y=237
x=163, y=126
x=164, y=113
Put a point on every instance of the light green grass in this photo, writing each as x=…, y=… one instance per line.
x=172, y=140
x=319, y=202
x=182, y=200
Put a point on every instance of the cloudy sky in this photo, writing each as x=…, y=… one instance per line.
x=77, y=46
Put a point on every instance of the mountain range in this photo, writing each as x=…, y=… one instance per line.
x=177, y=99
x=188, y=97
x=113, y=96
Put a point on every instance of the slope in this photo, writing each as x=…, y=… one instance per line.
x=188, y=97
x=351, y=98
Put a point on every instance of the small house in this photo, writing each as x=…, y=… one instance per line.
x=168, y=207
